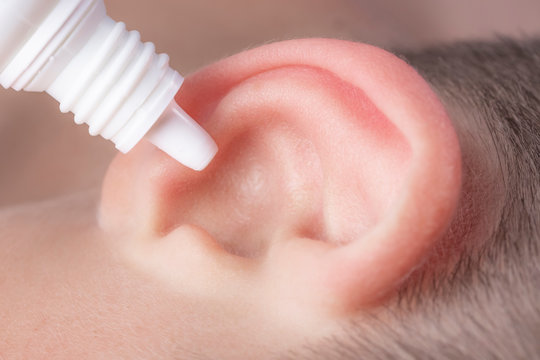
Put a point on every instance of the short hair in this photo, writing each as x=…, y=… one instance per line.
x=486, y=304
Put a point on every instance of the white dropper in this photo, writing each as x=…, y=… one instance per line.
x=101, y=72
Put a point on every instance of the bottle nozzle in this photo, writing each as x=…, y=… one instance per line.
x=181, y=137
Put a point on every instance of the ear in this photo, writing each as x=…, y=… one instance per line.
x=338, y=170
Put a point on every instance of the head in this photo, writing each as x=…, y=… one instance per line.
x=362, y=204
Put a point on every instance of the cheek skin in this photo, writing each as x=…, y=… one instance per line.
x=68, y=292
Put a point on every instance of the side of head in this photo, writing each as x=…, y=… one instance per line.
x=357, y=209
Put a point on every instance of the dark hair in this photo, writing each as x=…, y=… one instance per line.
x=485, y=302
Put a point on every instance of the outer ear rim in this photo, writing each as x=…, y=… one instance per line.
x=427, y=206
x=423, y=214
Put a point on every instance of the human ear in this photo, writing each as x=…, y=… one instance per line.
x=338, y=171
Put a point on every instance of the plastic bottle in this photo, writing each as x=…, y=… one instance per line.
x=101, y=72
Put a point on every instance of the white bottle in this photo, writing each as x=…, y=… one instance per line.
x=101, y=72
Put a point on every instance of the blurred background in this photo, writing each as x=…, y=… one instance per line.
x=44, y=154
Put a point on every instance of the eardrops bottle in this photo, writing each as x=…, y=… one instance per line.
x=101, y=72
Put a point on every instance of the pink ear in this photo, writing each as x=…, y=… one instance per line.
x=338, y=170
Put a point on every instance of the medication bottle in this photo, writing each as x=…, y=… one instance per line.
x=101, y=72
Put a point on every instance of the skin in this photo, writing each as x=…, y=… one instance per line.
x=277, y=243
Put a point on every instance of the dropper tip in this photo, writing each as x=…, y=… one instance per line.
x=202, y=163
x=182, y=138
